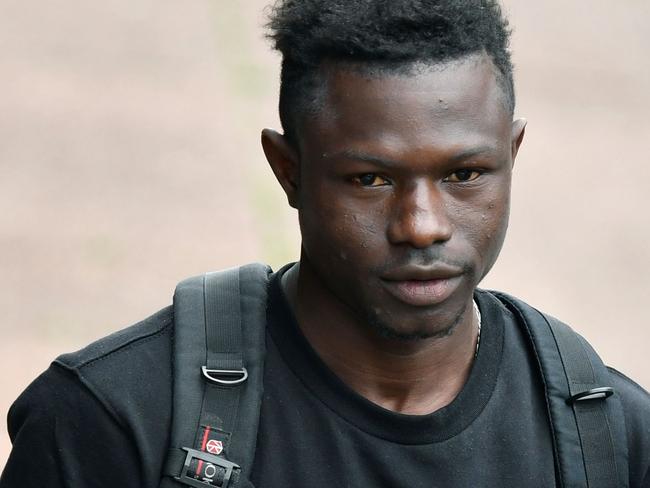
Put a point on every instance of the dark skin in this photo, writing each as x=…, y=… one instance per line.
x=402, y=184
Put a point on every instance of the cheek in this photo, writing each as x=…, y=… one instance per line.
x=339, y=233
x=490, y=237
x=326, y=232
x=337, y=214
x=364, y=230
x=495, y=218
x=481, y=224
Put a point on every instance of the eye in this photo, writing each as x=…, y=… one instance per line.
x=370, y=179
x=463, y=175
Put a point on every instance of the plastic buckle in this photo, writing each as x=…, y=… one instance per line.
x=228, y=466
x=593, y=394
x=225, y=377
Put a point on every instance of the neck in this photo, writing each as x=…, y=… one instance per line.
x=407, y=376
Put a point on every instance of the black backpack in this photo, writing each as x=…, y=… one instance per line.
x=219, y=349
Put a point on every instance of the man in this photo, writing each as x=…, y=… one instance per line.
x=385, y=366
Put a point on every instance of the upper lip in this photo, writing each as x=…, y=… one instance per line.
x=422, y=273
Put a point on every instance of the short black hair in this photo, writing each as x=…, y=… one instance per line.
x=384, y=35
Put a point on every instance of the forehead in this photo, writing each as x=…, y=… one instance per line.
x=458, y=103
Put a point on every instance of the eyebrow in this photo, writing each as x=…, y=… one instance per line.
x=390, y=163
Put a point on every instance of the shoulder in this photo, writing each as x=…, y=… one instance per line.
x=634, y=395
x=127, y=362
x=634, y=399
x=112, y=396
x=62, y=425
x=636, y=410
x=121, y=342
x=126, y=370
x=636, y=407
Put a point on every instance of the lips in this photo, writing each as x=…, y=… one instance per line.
x=422, y=286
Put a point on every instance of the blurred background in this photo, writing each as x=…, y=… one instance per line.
x=130, y=159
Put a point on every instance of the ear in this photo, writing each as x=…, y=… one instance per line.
x=517, y=136
x=284, y=162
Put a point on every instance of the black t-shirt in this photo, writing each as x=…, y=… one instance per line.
x=100, y=418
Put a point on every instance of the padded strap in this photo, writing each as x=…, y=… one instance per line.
x=602, y=436
x=588, y=429
x=253, y=292
x=219, y=334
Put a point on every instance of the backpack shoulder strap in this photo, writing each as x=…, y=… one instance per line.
x=218, y=358
x=587, y=422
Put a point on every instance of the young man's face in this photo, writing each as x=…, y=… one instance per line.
x=403, y=192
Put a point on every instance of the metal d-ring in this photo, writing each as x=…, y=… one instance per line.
x=225, y=377
x=593, y=394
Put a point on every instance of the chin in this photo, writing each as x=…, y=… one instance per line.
x=424, y=330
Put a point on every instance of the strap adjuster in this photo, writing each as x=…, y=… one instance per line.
x=600, y=393
x=228, y=467
x=225, y=377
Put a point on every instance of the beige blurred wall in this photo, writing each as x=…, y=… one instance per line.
x=129, y=159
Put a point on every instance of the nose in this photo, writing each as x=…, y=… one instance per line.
x=419, y=217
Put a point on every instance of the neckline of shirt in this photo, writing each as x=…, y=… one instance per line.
x=365, y=415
